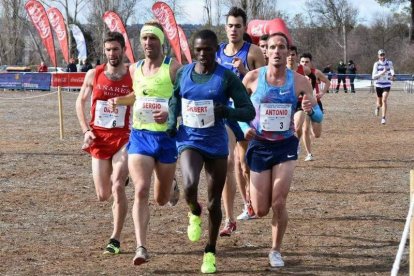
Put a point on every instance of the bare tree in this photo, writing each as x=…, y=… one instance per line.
x=208, y=12
x=410, y=5
x=256, y=9
x=12, y=23
x=337, y=15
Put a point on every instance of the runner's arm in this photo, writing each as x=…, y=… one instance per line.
x=84, y=94
x=244, y=110
x=321, y=76
x=174, y=105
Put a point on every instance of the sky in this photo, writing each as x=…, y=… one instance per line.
x=368, y=10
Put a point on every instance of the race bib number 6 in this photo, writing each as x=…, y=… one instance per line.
x=198, y=114
x=106, y=118
x=275, y=116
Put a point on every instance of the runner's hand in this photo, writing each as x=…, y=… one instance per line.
x=250, y=134
x=111, y=104
x=306, y=104
x=160, y=116
x=88, y=138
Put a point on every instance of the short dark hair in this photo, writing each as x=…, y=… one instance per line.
x=247, y=38
x=115, y=36
x=306, y=55
x=264, y=37
x=282, y=35
x=206, y=34
x=236, y=12
x=293, y=48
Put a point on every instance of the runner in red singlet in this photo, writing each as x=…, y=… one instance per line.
x=107, y=133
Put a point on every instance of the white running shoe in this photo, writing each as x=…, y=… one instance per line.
x=309, y=157
x=275, y=259
x=383, y=121
x=376, y=111
x=245, y=214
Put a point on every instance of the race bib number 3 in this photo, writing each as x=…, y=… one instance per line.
x=144, y=108
x=198, y=114
x=106, y=118
x=275, y=116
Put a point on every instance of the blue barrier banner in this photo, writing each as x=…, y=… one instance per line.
x=36, y=81
x=11, y=80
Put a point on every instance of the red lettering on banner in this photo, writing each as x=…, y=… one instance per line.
x=111, y=22
x=276, y=112
x=164, y=18
x=54, y=21
x=40, y=20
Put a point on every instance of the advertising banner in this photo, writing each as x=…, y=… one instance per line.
x=114, y=23
x=58, y=25
x=165, y=16
x=36, y=81
x=38, y=16
x=68, y=80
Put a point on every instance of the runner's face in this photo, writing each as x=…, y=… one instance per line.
x=305, y=62
x=291, y=58
x=151, y=45
x=114, y=53
x=205, y=51
x=277, y=51
x=263, y=47
x=235, y=29
x=381, y=57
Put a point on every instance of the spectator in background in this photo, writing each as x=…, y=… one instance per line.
x=341, y=76
x=86, y=65
x=98, y=62
x=263, y=46
x=352, y=71
x=42, y=67
x=71, y=66
x=328, y=71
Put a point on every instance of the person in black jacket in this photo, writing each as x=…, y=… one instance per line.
x=341, y=69
x=72, y=66
x=352, y=72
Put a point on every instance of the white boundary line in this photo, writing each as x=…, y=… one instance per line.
x=396, y=265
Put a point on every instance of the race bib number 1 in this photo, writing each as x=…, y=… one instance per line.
x=106, y=118
x=275, y=116
x=198, y=114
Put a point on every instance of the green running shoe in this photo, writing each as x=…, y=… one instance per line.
x=194, y=227
x=209, y=263
x=113, y=247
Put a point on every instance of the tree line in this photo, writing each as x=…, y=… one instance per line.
x=331, y=30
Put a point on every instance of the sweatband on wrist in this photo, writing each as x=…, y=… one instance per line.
x=148, y=29
x=316, y=115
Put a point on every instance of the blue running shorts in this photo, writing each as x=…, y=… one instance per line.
x=263, y=155
x=156, y=144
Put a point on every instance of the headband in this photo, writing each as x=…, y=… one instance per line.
x=148, y=29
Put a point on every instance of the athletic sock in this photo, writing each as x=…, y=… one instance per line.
x=210, y=248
